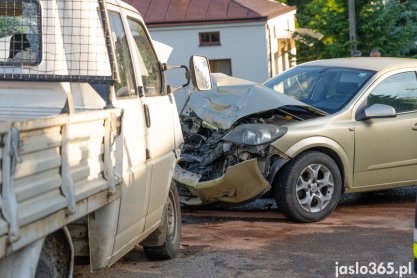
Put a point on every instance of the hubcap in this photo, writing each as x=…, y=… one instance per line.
x=315, y=188
x=171, y=218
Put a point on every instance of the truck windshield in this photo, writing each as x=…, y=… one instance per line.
x=326, y=88
x=19, y=32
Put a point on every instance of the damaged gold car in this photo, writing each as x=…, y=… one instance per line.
x=320, y=129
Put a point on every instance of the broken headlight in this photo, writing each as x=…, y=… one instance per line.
x=254, y=134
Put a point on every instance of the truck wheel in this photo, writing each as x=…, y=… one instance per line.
x=171, y=227
x=309, y=187
x=55, y=258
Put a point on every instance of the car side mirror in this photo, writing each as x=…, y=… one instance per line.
x=378, y=111
x=200, y=73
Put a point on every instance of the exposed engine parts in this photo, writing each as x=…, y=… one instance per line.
x=208, y=154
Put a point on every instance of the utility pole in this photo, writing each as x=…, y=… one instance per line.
x=352, y=28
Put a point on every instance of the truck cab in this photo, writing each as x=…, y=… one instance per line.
x=150, y=127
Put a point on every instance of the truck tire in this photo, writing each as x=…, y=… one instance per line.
x=309, y=187
x=170, y=227
x=55, y=258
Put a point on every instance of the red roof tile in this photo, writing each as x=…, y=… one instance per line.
x=185, y=12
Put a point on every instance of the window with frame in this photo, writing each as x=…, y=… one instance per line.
x=148, y=62
x=398, y=91
x=209, y=38
x=222, y=66
x=20, y=29
x=126, y=86
x=326, y=88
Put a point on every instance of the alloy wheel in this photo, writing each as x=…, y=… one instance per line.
x=315, y=187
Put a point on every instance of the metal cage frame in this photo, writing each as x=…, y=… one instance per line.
x=107, y=79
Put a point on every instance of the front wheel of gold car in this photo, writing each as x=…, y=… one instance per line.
x=308, y=188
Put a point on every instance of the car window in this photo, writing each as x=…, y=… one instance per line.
x=299, y=86
x=398, y=91
x=20, y=40
x=326, y=88
x=148, y=62
x=126, y=87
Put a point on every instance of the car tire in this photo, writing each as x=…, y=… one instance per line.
x=170, y=227
x=308, y=187
x=55, y=258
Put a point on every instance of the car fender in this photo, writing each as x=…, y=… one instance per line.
x=325, y=142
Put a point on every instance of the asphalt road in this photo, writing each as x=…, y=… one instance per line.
x=257, y=241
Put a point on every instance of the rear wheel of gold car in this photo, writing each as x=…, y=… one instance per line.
x=308, y=188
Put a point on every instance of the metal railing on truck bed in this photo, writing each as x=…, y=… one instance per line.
x=54, y=170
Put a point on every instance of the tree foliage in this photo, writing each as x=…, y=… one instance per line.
x=300, y=4
x=387, y=25
x=9, y=26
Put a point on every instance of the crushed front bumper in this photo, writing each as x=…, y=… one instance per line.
x=240, y=183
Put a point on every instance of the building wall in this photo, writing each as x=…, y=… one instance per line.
x=244, y=43
x=282, y=49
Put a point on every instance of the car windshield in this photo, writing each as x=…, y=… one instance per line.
x=326, y=88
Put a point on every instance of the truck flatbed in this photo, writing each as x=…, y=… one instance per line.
x=54, y=169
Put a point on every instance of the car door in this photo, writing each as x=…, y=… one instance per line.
x=132, y=160
x=161, y=114
x=385, y=149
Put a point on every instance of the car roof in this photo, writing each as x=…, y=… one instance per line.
x=366, y=63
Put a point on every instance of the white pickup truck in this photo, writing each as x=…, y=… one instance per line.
x=89, y=137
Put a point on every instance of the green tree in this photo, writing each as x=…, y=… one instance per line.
x=9, y=26
x=329, y=18
x=300, y=4
x=388, y=26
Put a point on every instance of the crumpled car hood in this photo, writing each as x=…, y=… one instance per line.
x=232, y=99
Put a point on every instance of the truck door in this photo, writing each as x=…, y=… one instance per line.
x=135, y=168
x=160, y=113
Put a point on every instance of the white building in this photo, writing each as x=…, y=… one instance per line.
x=249, y=39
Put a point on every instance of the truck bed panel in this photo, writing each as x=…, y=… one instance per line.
x=56, y=164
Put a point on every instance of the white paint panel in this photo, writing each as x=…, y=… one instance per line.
x=40, y=206
x=90, y=169
x=37, y=184
x=79, y=151
x=86, y=131
x=38, y=161
x=40, y=139
x=84, y=189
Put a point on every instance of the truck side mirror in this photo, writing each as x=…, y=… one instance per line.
x=171, y=89
x=200, y=73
